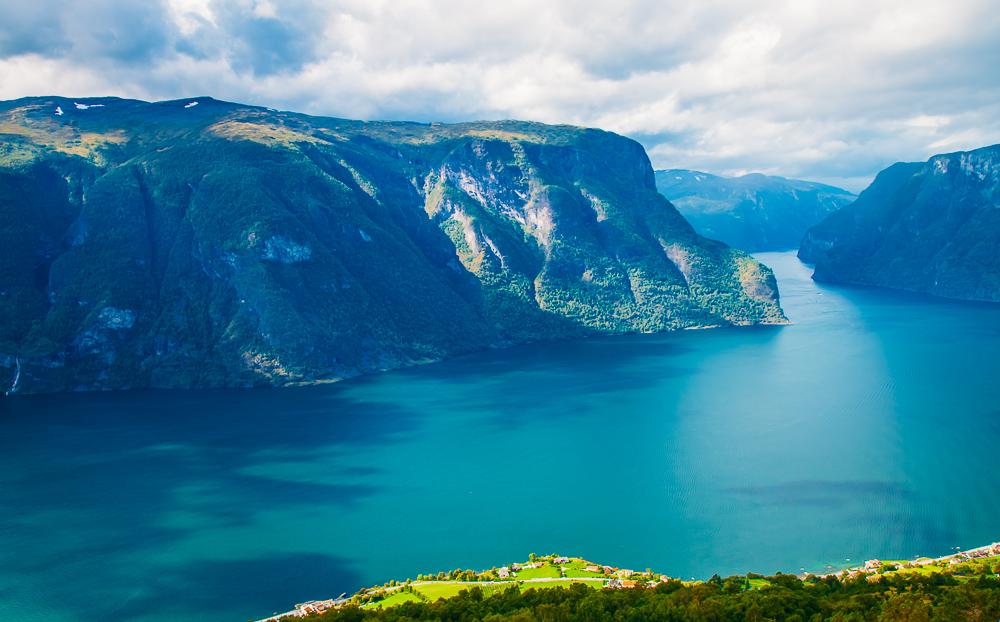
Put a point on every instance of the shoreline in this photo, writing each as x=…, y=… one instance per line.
x=874, y=565
x=871, y=566
x=411, y=364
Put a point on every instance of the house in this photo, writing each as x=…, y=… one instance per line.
x=592, y=569
x=561, y=560
x=625, y=573
x=315, y=606
x=629, y=584
x=873, y=564
x=504, y=572
x=613, y=584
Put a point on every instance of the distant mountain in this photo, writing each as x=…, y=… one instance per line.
x=203, y=243
x=754, y=212
x=929, y=227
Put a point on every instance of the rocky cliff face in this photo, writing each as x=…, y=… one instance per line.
x=754, y=212
x=203, y=243
x=929, y=227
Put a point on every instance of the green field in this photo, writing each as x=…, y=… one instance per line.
x=959, y=571
x=433, y=590
x=581, y=573
x=564, y=583
x=546, y=576
x=396, y=598
x=543, y=572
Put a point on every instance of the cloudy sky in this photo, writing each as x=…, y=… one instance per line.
x=826, y=90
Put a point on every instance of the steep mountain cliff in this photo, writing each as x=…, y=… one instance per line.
x=929, y=227
x=754, y=212
x=203, y=243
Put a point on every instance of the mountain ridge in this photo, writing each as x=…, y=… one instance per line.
x=196, y=242
x=930, y=227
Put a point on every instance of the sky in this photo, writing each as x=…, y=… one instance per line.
x=831, y=91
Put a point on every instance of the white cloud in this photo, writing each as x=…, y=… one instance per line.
x=265, y=9
x=830, y=91
x=190, y=15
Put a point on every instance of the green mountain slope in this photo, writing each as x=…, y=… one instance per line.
x=929, y=227
x=754, y=212
x=202, y=243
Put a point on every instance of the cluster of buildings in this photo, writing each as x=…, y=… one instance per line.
x=315, y=606
x=874, y=565
x=622, y=579
x=984, y=551
x=624, y=584
x=505, y=572
x=620, y=575
x=962, y=556
x=308, y=608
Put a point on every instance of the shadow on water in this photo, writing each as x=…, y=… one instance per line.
x=93, y=482
x=253, y=587
x=228, y=420
x=549, y=381
x=823, y=493
x=108, y=478
x=764, y=444
x=597, y=354
x=237, y=589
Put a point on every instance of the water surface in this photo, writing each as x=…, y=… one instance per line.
x=869, y=427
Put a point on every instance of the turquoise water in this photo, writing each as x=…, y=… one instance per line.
x=870, y=427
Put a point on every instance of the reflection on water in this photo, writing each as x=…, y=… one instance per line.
x=868, y=427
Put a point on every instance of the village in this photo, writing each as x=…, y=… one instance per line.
x=552, y=571
x=538, y=572
x=874, y=567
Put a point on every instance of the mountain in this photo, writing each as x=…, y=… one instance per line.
x=754, y=212
x=930, y=227
x=199, y=243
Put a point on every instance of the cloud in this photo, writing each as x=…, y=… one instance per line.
x=827, y=91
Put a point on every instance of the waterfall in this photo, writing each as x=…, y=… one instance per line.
x=17, y=376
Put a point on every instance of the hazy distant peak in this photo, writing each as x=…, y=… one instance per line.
x=753, y=211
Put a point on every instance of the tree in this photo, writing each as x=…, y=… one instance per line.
x=906, y=607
